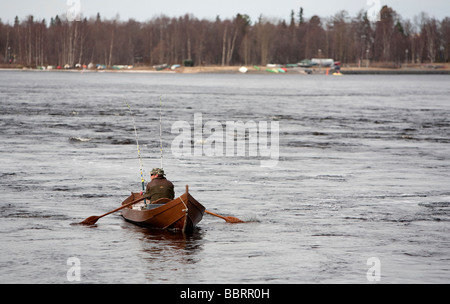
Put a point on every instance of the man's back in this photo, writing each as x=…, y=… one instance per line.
x=159, y=187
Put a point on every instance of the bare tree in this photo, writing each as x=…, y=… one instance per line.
x=232, y=41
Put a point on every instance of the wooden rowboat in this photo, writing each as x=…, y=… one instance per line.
x=182, y=213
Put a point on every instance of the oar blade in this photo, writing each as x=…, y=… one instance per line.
x=233, y=220
x=228, y=219
x=90, y=220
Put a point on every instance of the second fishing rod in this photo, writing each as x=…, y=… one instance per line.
x=141, y=167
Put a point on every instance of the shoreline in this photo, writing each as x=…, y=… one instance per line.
x=400, y=71
x=257, y=70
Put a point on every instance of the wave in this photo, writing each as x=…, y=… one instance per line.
x=80, y=139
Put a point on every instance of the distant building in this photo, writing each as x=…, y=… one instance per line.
x=323, y=62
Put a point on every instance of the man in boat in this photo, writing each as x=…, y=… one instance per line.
x=159, y=186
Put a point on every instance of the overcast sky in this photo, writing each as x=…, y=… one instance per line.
x=143, y=10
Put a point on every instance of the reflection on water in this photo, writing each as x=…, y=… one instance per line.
x=183, y=243
x=165, y=250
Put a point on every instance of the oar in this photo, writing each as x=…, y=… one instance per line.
x=93, y=219
x=229, y=219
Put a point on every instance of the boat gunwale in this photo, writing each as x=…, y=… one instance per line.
x=186, y=201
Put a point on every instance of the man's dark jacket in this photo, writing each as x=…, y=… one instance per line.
x=158, y=188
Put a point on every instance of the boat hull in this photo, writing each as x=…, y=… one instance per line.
x=182, y=213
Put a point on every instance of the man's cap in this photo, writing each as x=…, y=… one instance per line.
x=157, y=171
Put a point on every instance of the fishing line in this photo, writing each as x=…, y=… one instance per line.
x=138, y=149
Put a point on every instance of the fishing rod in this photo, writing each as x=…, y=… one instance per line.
x=138, y=149
x=137, y=140
x=160, y=130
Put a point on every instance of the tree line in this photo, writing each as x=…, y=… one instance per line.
x=234, y=41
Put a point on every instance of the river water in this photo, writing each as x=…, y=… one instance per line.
x=359, y=190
